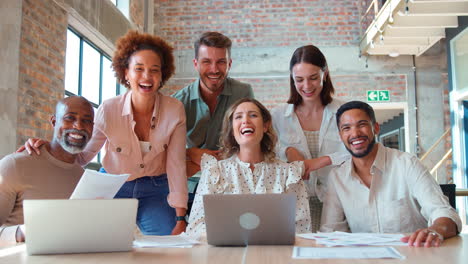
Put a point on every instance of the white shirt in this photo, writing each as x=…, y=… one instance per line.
x=290, y=134
x=232, y=176
x=403, y=197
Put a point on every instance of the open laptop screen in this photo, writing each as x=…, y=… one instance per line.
x=76, y=226
x=250, y=219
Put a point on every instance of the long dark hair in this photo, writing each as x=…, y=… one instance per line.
x=310, y=54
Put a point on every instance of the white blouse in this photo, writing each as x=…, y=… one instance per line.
x=290, y=134
x=232, y=176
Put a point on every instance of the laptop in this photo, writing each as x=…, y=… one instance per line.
x=79, y=226
x=250, y=219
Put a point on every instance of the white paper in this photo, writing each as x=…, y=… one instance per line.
x=355, y=239
x=98, y=185
x=346, y=253
x=181, y=240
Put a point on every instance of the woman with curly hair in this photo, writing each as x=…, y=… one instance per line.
x=143, y=133
x=247, y=144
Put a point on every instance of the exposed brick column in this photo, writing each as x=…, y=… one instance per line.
x=42, y=67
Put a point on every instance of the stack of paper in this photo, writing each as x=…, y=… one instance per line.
x=180, y=241
x=346, y=253
x=355, y=239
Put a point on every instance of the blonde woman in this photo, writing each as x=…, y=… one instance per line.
x=250, y=166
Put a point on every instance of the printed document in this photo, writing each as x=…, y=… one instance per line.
x=355, y=239
x=98, y=185
x=181, y=240
x=346, y=253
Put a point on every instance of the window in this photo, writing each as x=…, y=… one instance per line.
x=123, y=6
x=88, y=72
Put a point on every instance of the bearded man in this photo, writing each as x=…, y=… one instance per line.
x=383, y=190
x=51, y=175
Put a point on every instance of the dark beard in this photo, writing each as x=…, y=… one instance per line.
x=365, y=153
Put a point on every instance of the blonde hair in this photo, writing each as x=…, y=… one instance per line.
x=229, y=145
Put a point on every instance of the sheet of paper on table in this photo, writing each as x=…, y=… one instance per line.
x=181, y=241
x=355, y=239
x=346, y=253
x=98, y=185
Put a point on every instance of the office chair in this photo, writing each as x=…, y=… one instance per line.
x=449, y=191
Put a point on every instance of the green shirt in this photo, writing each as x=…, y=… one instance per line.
x=203, y=129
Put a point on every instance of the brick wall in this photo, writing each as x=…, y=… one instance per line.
x=274, y=91
x=279, y=24
x=259, y=23
x=42, y=60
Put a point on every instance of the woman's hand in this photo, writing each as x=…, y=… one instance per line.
x=315, y=164
x=179, y=227
x=292, y=154
x=32, y=145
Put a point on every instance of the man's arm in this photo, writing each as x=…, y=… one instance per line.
x=195, y=154
x=8, y=196
x=444, y=220
x=7, y=189
x=192, y=168
x=333, y=216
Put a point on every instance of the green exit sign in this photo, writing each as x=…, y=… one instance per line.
x=378, y=96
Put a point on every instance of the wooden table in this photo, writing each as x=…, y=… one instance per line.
x=453, y=251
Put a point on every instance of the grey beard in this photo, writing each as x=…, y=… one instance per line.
x=73, y=148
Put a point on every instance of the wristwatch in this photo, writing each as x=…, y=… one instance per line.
x=181, y=218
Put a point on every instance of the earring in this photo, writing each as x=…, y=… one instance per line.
x=127, y=82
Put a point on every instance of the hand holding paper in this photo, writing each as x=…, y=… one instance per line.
x=98, y=185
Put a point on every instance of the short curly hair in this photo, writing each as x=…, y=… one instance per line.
x=134, y=41
x=229, y=145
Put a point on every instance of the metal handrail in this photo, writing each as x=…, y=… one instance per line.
x=437, y=166
x=435, y=144
x=376, y=9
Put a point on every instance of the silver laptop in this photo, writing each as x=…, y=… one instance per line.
x=79, y=226
x=250, y=219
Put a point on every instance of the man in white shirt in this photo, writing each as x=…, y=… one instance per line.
x=383, y=190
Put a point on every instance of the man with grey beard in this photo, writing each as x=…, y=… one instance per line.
x=51, y=175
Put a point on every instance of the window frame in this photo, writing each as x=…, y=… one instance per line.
x=102, y=55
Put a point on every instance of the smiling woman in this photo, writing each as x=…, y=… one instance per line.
x=250, y=166
x=305, y=124
x=143, y=133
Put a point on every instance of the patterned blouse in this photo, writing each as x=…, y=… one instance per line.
x=312, y=142
x=232, y=176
